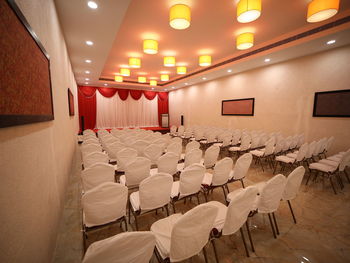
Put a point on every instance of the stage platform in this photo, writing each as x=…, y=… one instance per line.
x=155, y=129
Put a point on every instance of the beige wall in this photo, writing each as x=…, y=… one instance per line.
x=283, y=93
x=35, y=159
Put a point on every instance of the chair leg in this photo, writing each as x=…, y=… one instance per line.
x=205, y=195
x=346, y=175
x=129, y=212
x=274, y=170
x=197, y=195
x=273, y=228
x=228, y=190
x=250, y=236
x=223, y=189
x=173, y=205
x=242, y=182
x=274, y=219
x=291, y=210
x=215, y=251
x=340, y=181
x=245, y=244
x=167, y=210
x=262, y=166
x=136, y=224
x=310, y=174
x=205, y=255
x=330, y=179
x=126, y=224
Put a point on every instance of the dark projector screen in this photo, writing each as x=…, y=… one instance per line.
x=332, y=104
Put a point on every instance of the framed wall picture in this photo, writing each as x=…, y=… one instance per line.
x=334, y=103
x=25, y=83
x=238, y=107
x=70, y=103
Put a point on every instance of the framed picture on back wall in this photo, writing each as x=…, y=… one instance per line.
x=335, y=103
x=238, y=107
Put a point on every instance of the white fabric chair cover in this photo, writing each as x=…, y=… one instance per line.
x=293, y=183
x=176, y=140
x=167, y=163
x=191, y=146
x=176, y=148
x=241, y=166
x=95, y=157
x=88, y=131
x=182, y=236
x=131, y=247
x=90, y=140
x=113, y=149
x=180, y=130
x=89, y=148
x=139, y=146
x=192, y=157
x=125, y=156
x=153, y=152
x=211, y=156
x=97, y=174
x=104, y=204
x=136, y=171
x=271, y=194
x=154, y=192
x=190, y=181
x=329, y=143
x=173, y=129
x=221, y=173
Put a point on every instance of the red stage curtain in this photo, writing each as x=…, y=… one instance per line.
x=87, y=107
x=163, y=105
x=123, y=93
x=136, y=94
x=107, y=92
x=149, y=94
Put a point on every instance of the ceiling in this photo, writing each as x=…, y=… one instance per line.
x=118, y=28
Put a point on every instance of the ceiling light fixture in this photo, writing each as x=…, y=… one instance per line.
x=125, y=72
x=248, y=10
x=229, y=71
x=153, y=83
x=186, y=83
x=152, y=88
x=150, y=46
x=245, y=41
x=87, y=60
x=164, y=77
x=142, y=79
x=169, y=61
x=87, y=79
x=89, y=43
x=204, y=78
x=181, y=70
x=173, y=87
x=92, y=4
x=330, y=42
x=87, y=72
x=86, y=82
x=118, y=78
x=267, y=60
x=204, y=60
x=319, y=10
x=180, y=16
x=134, y=62
x=166, y=89
x=105, y=84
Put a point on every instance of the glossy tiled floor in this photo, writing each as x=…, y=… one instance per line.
x=322, y=232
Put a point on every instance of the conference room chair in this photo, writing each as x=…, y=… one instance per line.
x=94, y=157
x=180, y=131
x=187, y=136
x=328, y=145
x=90, y=148
x=175, y=140
x=330, y=168
x=265, y=153
x=124, y=156
x=121, y=248
x=263, y=139
x=233, y=217
x=97, y=174
x=240, y=169
x=211, y=156
x=189, y=184
x=153, y=152
x=316, y=155
x=337, y=157
x=294, y=143
x=301, y=141
x=198, y=134
x=219, y=177
x=113, y=149
x=154, y=193
x=210, y=139
x=102, y=205
x=189, y=147
x=167, y=163
x=194, y=156
x=175, y=147
x=255, y=142
x=269, y=199
x=179, y=238
x=90, y=140
x=291, y=189
x=286, y=145
x=139, y=146
x=135, y=172
x=244, y=146
x=284, y=160
x=173, y=130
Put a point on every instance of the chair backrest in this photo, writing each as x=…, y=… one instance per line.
x=155, y=191
x=173, y=129
x=139, y=146
x=226, y=141
x=97, y=174
x=167, y=163
x=137, y=170
x=192, y=157
x=245, y=143
x=255, y=142
x=114, y=148
x=180, y=130
x=242, y=166
x=302, y=152
x=124, y=244
x=211, y=137
x=176, y=148
x=211, y=155
x=95, y=157
x=104, y=203
x=89, y=148
x=191, y=146
x=271, y=194
x=301, y=140
x=269, y=147
x=310, y=150
x=294, y=142
x=287, y=143
x=222, y=171
x=293, y=183
x=239, y=208
x=153, y=152
x=344, y=162
x=88, y=131
x=198, y=134
x=124, y=156
x=191, y=232
x=191, y=179
x=329, y=143
x=90, y=140
x=318, y=147
x=279, y=146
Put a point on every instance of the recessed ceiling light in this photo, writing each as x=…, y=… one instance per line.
x=89, y=43
x=105, y=84
x=87, y=79
x=86, y=82
x=87, y=72
x=92, y=4
x=87, y=60
x=166, y=90
x=330, y=42
x=186, y=83
x=152, y=88
x=229, y=71
x=267, y=60
x=173, y=87
x=204, y=78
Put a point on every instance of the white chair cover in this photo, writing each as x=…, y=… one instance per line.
x=211, y=156
x=104, y=204
x=88, y=131
x=222, y=171
x=125, y=156
x=191, y=179
x=176, y=148
x=192, y=157
x=113, y=149
x=95, y=157
x=293, y=183
x=153, y=152
x=89, y=148
x=131, y=247
x=97, y=174
x=139, y=146
x=136, y=171
x=191, y=146
x=176, y=140
x=167, y=163
x=241, y=166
